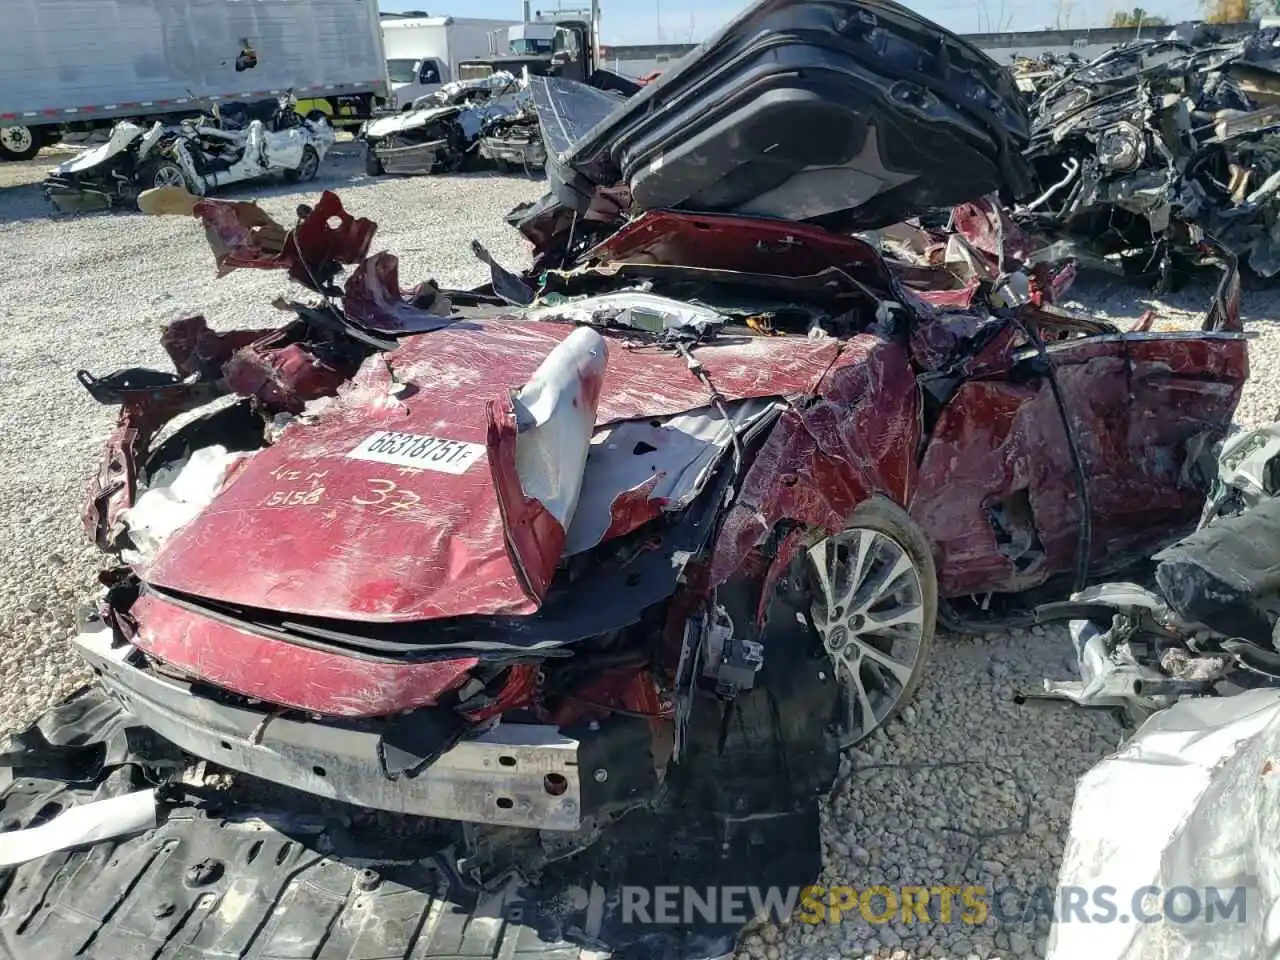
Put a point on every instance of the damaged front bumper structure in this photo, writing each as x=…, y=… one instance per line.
x=583, y=579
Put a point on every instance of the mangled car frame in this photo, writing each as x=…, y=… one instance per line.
x=1188, y=654
x=588, y=574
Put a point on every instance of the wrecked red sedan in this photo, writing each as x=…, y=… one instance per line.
x=623, y=550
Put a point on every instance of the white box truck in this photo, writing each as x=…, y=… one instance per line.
x=80, y=64
x=424, y=52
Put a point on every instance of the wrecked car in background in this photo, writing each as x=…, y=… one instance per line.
x=592, y=572
x=1155, y=143
x=241, y=141
x=492, y=117
x=1191, y=658
x=1206, y=624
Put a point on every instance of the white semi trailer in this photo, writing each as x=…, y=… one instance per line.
x=81, y=64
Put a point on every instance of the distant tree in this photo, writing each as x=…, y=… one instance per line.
x=1235, y=11
x=1137, y=17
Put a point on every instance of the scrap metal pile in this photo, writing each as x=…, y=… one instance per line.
x=1155, y=144
x=583, y=579
x=492, y=118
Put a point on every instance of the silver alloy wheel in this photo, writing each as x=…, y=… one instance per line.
x=869, y=609
x=168, y=175
x=16, y=139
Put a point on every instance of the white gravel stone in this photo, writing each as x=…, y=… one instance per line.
x=967, y=788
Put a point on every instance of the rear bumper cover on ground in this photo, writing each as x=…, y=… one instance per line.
x=516, y=775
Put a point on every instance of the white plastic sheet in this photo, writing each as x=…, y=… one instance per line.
x=1191, y=802
x=84, y=824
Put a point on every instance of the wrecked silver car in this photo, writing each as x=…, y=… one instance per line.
x=236, y=143
x=491, y=117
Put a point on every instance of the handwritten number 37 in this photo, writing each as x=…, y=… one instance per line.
x=389, y=497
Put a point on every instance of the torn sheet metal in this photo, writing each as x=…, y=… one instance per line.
x=634, y=309
x=242, y=235
x=81, y=825
x=1187, y=804
x=390, y=539
x=555, y=415
x=638, y=469
x=373, y=298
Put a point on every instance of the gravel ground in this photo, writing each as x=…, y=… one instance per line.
x=965, y=788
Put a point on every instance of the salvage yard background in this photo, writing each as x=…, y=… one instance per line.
x=966, y=788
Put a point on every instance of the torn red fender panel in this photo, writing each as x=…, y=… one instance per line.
x=747, y=244
x=858, y=438
x=243, y=235
x=984, y=225
x=287, y=674
x=113, y=488
x=283, y=379
x=372, y=298
x=195, y=348
x=536, y=538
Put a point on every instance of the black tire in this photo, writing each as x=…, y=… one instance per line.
x=307, y=169
x=881, y=516
x=24, y=143
x=161, y=173
x=372, y=165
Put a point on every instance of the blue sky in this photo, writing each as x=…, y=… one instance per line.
x=680, y=21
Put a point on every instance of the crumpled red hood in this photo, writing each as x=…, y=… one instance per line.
x=412, y=529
